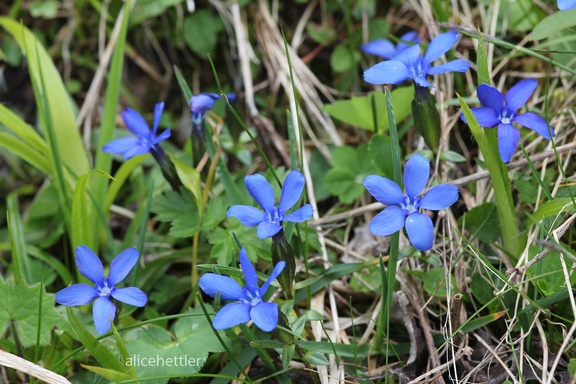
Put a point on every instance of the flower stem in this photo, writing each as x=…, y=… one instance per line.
x=426, y=117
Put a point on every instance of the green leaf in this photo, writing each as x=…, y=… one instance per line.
x=201, y=32
x=25, y=152
x=315, y=358
x=120, y=178
x=146, y=9
x=189, y=176
x=224, y=248
x=320, y=33
x=482, y=62
x=81, y=229
x=343, y=58
x=109, y=374
x=96, y=348
x=350, y=167
x=482, y=222
x=287, y=355
x=180, y=209
x=435, y=282
x=358, y=112
x=380, y=152
x=22, y=269
x=554, y=23
x=184, y=351
x=547, y=273
x=553, y=208
x=42, y=68
x=452, y=156
x=480, y=322
x=20, y=305
x=572, y=367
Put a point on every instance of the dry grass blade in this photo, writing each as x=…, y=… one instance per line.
x=12, y=361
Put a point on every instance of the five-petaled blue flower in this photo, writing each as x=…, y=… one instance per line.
x=499, y=110
x=248, y=300
x=145, y=138
x=91, y=267
x=402, y=210
x=387, y=49
x=268, y=222
x=565, y=5
x=410, y=64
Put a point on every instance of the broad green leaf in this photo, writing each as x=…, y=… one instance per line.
x=572, y=367
x=20, y=305
x=554, y=23
x=180, y=209
x=201, y=32
x=358, y=111
x=224, y=248
x=81, y=229
x=452, y=156
x=190, y=177
x=553, y=208
x=25, y=152
x=547, y=273
x=350, y=167
x=315, y=358
x=482, y=62
x=42, y=69
x=482, y=222
x=96, y=348
x=24, y=131
x=320, y=33
x=435, y=282
x=343, y=58
x=146, y=9
x=380, y=152
x=154, y=351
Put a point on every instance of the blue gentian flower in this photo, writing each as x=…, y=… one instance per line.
x=91, y=267
x=499, y=110
x=403, y=209
x=387, y=49
x=410, y=64
x=202, y=103
x=145, y=138
x=248, y=303
x=565, y=5
x=268, y=222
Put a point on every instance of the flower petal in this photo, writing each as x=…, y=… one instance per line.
x=423, y=82
x=229, y=289
x=261, y=191
x=135, y=122
x=416, y=175
x=161, y=137
x=384, y=190
x=387, y=72
x=485, y=116
x=409, y=56
x=565, y=5
x=249, y=271
x=122, y=264
x=202, y=102
x=275, y=273
x=89, y=265
x=103, y=311
x=291, y=190
x=158, y=108
x=77, y=294
x=408, y=37
x=130, y=295
x=491, y=97
x=267, y=229
x=119, y=146
x=265, y=315
x=135, y=151
x=536, y=123
x=389, y=221
x=420, y=231
x=232, y=314
x=458, y=65
x=380, y=47
x=249, y=216
x=301, y=214
x=439, y=197
x=508, y=138
x=519, y=94
x=440, y=45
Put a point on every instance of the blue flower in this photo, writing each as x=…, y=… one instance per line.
x=402, y=210
x=499, y=110
x=410, y=64
x=90, y=267
x=268, y=222
x=248, y=303
x=202, y=103
x=565, y=5
x=144, y=140
x=386, y=49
